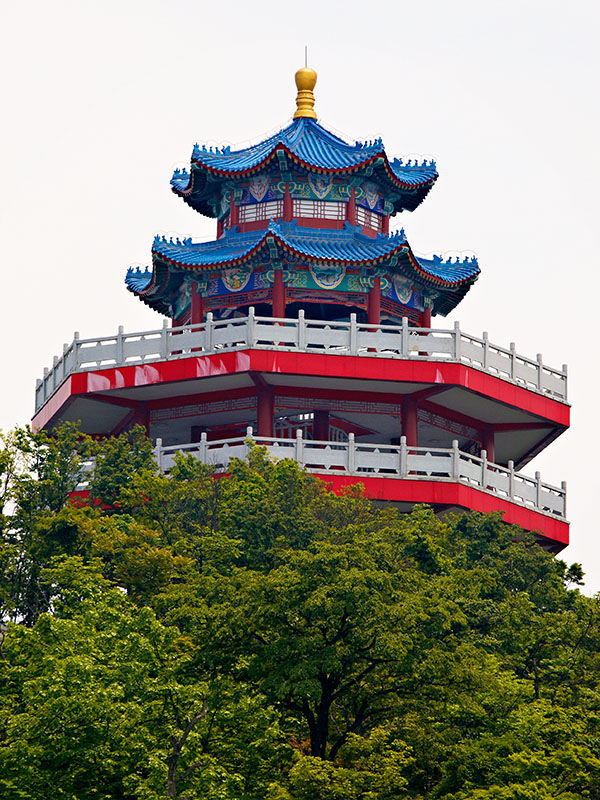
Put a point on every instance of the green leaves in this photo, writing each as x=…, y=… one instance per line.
x=252, y=635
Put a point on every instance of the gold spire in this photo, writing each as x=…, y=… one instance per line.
x=306, y=79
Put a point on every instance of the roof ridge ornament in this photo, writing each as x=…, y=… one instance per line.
x=306, y=78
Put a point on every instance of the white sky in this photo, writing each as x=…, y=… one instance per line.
x=102, y=99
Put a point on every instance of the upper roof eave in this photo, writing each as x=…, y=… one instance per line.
x=310, y=146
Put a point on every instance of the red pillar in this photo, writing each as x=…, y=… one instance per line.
x=409, y=421
x=489, y=443
x=141, y=417
x=425, y=323
x=233, y=213
x=288, y=205
x=220, y=228
x=321, y=425
x=197, y=306
x=385, y=224
x=265, y=411
x=351, y=208
x=374, y=302
x=278, y=294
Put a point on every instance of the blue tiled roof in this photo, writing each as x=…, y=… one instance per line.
x=315, y=146
x=304, y=138
x=348, y=245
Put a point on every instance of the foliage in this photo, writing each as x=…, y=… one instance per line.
x=252, y=635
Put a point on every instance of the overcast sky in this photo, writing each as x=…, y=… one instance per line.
x=101, y=100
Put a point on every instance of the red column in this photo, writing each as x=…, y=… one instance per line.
x=278, y=294
x=489, y=443
x=409, y=421
x=288, y=205
x=351, y=208
x=220, y=228
x=265, y=411
x=425, y=323
x=374, y=302
x=233, y=213
x=197, y=306
x=385, y=224
x=321, y=425
x=141, y=417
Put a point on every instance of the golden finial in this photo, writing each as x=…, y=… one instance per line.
x=306, y=79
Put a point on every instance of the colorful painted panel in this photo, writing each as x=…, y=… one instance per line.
x=368, y=196
x=401, y=290
x=334, y=277
x=236, y=280
x=183, y=300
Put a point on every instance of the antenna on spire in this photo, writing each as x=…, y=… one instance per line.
x=305, y=56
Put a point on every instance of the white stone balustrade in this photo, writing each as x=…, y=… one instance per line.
x=303, y=335
x=386, y=461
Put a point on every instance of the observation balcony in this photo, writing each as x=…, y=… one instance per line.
x=443, y=383
x=418, y=415
x=446, y=478
x=302, y=336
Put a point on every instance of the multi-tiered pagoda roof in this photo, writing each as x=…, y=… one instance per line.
x=313, y=207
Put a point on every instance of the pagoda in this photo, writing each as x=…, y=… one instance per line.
x=306, y=327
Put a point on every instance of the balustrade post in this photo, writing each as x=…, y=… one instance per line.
x=484, y=469
x=120, y=345
x=512, y=348
x=353, y=335
x=404, y=334
x=299, y=447
x=351, y=454
x=249, y=439
x=202, y=447
x=564, y=369
x=486, y=350
x=403, y=457
x=563, y=486
x=511, y=479
x=540, y=371
x=538, y=490
x=301, y=330
x=76, y=349
x=457, y=342
x=164, y=340
x=64, y=360
x=158, y=454
x=455, y=460
x=251, y=328
x=209, y=331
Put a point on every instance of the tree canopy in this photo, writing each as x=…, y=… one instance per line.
x=252, y=636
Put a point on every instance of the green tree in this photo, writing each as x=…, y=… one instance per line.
x=252, y=635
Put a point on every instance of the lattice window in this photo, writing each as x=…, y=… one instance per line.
x=319, y=208
x=370, y=219
x=253, y=212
